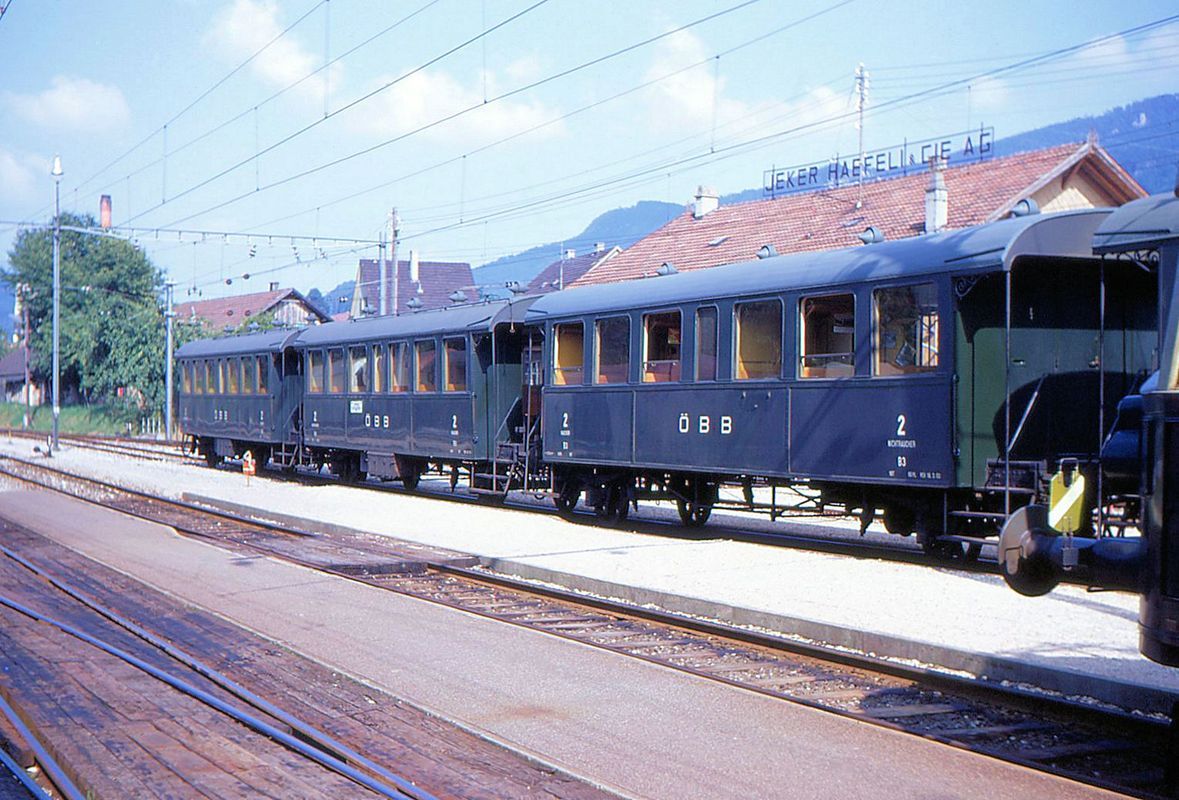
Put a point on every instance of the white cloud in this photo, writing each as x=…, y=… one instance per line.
x=427, y=96
x=690, y=98
x=19, y=177
x=246, y=26
x=74, y=104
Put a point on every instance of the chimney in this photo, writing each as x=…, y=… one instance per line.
x=104, y=212
x=936, y=200
x=413, y=266
x=569, y=254
x=707, y=201
x=274, y=286
x=599, y=247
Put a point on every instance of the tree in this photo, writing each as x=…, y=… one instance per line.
x=112, y=322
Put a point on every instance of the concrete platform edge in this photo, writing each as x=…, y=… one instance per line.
x=992, y=668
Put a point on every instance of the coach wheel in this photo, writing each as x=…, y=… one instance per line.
x=693, y=514
x=900, y=520
x=615, y=505
x=211, y=457
x=565, y=497
x=410, y=476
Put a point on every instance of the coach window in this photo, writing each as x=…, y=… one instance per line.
x=758, y=335
x=661, y=347
x=261, y=373
x=233, y=375
x=455, y=354
x=828, y=336
x=206, y=369
x=427, y=379
x=314, y=371
x=568, y=353
x=380, y=355
x=399, y=368
x=906, y=329
x=335, y=370
x=186, y=378
x=358, y=369
x=612, y=355
x=222, y=384
x=249, y=375
x=706, y=343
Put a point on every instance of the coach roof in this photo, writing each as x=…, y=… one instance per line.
x=454, y=319
x=983, y=248
x=1139, y=225
x=266, y=342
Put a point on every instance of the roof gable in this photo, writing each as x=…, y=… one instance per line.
x=829, y=219
x=232, y=311
x=437, y=280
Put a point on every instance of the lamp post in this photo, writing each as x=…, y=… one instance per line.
x=56, y=172
x=169, y=315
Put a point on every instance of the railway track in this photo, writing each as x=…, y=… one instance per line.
x=117, y=445
x=825, y=538
x=1100, y=746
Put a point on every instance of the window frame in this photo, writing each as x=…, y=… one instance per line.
x=379, y=355
x=696, y=339
x=802, y=334
x=466, y=350
x=877, y=333
x=675, y=370
x=417, y=363
x=341, y=364
x=262, y=374
x=353, y=385
x=401, y=365
x=736, y=360
x=597, y=375
x=564, y=373
x=315, y=383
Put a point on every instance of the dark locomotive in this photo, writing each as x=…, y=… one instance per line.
x=868, y=380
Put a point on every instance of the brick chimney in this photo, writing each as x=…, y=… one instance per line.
x=937, y=204
x=707, y=201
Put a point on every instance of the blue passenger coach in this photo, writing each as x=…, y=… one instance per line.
x=238, y=393
x=872, y=378
x=389, y=396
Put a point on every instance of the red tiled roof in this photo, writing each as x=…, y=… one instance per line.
x=564, y=271
x=230, y=312
x=436, y=281
x=830, y=219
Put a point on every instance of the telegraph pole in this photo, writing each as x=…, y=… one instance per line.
x=861, y=101
x=394, y=230
x=22, y=291
x=56, y=172
x=169, y=315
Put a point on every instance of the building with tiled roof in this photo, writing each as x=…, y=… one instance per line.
x=429, y=283
x=12, y=378
x=288, y=306
x=569, y=268
x=707, y=235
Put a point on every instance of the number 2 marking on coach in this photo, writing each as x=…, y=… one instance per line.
x=901, y=425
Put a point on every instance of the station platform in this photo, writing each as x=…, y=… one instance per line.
x=1072, y=641
x=631, y=727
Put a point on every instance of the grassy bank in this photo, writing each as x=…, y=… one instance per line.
x=74, y=419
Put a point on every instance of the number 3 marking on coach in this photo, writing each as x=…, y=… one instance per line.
x=901, y=425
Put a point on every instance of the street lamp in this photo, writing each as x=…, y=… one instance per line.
x=56, y=172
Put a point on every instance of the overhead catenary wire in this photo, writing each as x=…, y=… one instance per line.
x=447, y=118
x=735, y=149
x=216, y=85
x=347, y=106
x=253, y=109
x=569, y=115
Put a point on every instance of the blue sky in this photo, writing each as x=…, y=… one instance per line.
x=515, y=166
